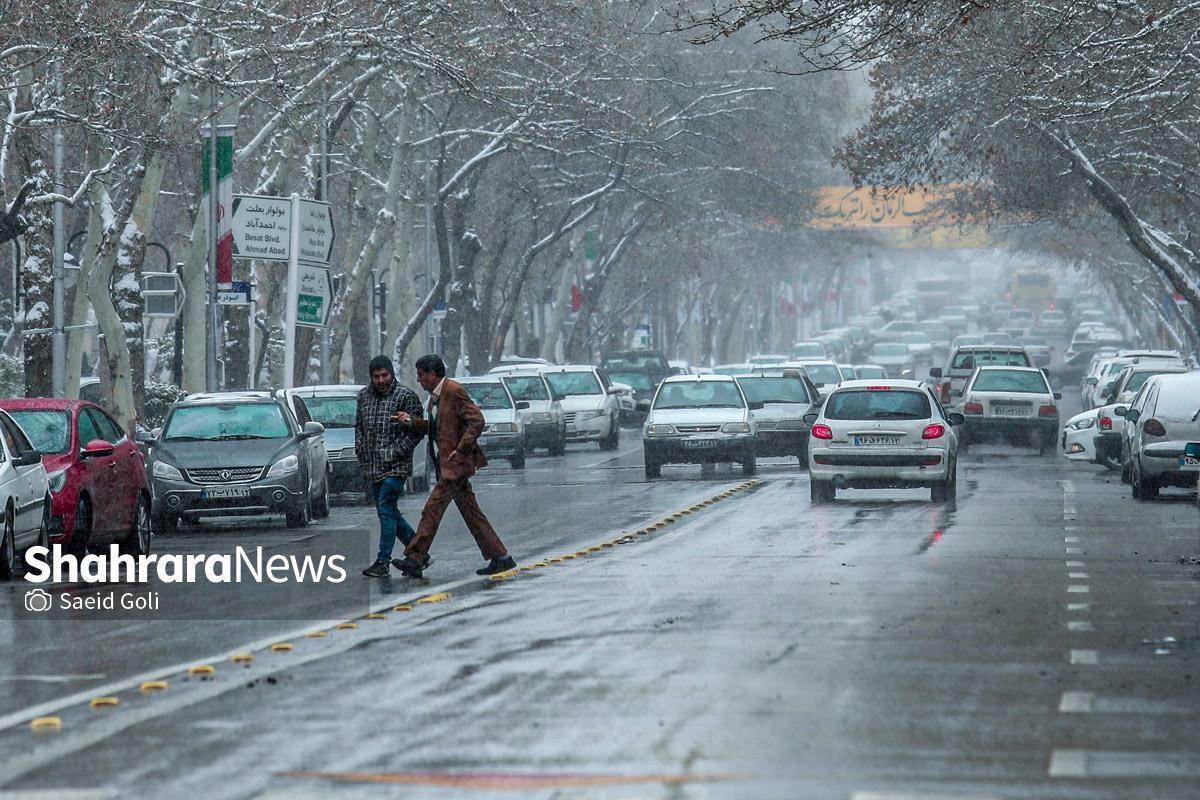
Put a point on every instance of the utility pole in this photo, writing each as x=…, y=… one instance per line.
x=59, y=341
x=323, y=189
x=214, y=310
x=429, y=279
x=292, y=294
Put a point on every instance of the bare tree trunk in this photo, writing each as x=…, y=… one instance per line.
x=117, y=362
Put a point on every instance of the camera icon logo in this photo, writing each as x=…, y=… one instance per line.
x=38, y=600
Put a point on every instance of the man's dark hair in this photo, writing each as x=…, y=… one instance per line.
x=432, y=363
x=381, y=362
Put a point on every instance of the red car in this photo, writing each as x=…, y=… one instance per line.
x=96, y=472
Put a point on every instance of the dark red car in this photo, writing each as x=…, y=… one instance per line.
x=96, y=472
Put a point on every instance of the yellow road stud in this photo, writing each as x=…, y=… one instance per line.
x=348, y=626
x=45, y=725
x=315, y=635
x=376, y=616
x=201, y=669
x=282, y=647
x=401, y=608
x=104, y=702
x=583, y=553
x=440, y=597
x=241, y=658
x=153, y=686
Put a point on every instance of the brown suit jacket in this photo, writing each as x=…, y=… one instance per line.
x=459, y=424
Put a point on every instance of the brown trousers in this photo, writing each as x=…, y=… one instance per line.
x=463, y=495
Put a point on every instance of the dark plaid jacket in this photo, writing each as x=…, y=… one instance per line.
x=383, y=446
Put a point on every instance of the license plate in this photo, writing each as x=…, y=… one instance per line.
x=225, y=492
x=877, y=440
x=698, y=444
x=1010, y=411
x=1189, y=463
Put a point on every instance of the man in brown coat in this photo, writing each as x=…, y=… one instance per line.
x=454, y=424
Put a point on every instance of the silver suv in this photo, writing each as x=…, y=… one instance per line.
x=870, y=434
x=699, y=419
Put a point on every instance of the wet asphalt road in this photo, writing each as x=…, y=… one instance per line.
x=1040, y=639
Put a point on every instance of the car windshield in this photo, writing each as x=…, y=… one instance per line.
x=527, y=387
x=822, y=373
x=808, y=350
x=638, y=380
x=571, y=384
x=877, y=404
x=332, y=412
x=699, y=394
x=774, y=390
x=870, y=372
x=488, y=395
x=48, y=431
x=978, y=358
x=212, y=422
x=889, y=350
x=1010, y=380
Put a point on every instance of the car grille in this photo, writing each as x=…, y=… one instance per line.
x=569, y=417
x=224, y=475
x=697, y=428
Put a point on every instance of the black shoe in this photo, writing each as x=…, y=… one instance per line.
x=411, y=567
x=377, y=570
x=501, y=564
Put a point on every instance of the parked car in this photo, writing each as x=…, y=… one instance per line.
x=589, y=404
x=871, y=435
x=95, y=472
x=780, y=429
x=1110, y=427
x=1015, y=404
x=702, y=419
x=503, y=428
x=237, y=453
x=1159, y=428
x=1078, y=441
x=24, y=496
x=545, y=425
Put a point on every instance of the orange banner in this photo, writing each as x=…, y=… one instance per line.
x=847, y=207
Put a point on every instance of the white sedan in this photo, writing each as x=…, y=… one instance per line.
x=1078, y=440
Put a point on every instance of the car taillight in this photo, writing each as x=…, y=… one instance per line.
x=973, y=408
x=822, y=432
x=1106, y=423
x=934, y=431
x=1047, y=411
x=1154, y=428
x=946, y=392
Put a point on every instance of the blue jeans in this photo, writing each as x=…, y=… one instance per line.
x=385, y=493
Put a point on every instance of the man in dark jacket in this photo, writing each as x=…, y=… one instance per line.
x=384, y=448
x=454, y=425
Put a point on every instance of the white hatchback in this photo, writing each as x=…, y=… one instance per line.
x=24, y=496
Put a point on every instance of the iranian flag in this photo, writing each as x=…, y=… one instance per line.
x=224, y=202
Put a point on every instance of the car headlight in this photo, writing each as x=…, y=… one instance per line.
x=736, y=427
x=504, y=427
x=660, y=430
x=164, y=470
x=1083, y=424
x=57, y=480
x=284, y=466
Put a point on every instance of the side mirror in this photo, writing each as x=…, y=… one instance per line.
x=955, y=418
x=756, y=405
x=1058, y=395
x=522, y=405
x=935, y=373
x=1132, y=415
x=1119, y=411
x=312, y=429
x=811, y=419
x=96, y=448
x=643, y=406
x=31, y=457
x=145, y=437
x=1192, y=450
x=612, y=390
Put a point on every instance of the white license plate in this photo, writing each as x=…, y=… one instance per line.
x=1189, y=463
x=225, y=492
x=877, y=440
x=698, y=444
x=1010, y=411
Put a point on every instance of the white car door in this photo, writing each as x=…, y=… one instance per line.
x=29, y=482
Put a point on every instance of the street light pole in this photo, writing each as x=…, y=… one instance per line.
x=323, y=188
x=213, y=318
x=58, y=345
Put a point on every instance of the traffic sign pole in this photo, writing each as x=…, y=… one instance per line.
x=292, y=298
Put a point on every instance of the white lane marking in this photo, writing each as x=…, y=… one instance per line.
x=1074, y=551
x=54, y=678
x=612, y=457
x=1079, y=606
x=1070, y=509
x=1078, y=589
x=1075, y=564
x=1081, y=626
x=1068, y=764
x=1071, y=539
x=57, y=794
x=1083, y=576
x=1085, y=657
x=913, y=796
x=1076, y=702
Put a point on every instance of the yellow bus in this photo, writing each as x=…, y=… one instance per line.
x=1033, y=289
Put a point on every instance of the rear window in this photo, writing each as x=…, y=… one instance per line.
x=774, y=390
x=48, y=431
x=870, y=372
x=571, y=384
x=823, y=373
x=527, y=387
x=1004, y=380
x=1178, y=400
x=890, y=350
x=488, y=395
x=1136, y=380
x=877, y=404
x=699, y=394
x=332, y=412
x=986, y=358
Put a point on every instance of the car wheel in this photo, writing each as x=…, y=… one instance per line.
x=517, y=461
x=81, y=536
x=43, y=539
x=653, y=468
x=8, y=547
x=137, y=542
x=822, y=492
x=163, y=524
x=613, y=440
x=299, y=517
x=749, y=467
x=320, y=506
x=1143, y=488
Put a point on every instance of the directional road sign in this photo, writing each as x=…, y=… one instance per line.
x=261, y=227
x=315, y=297
x=316, y=231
